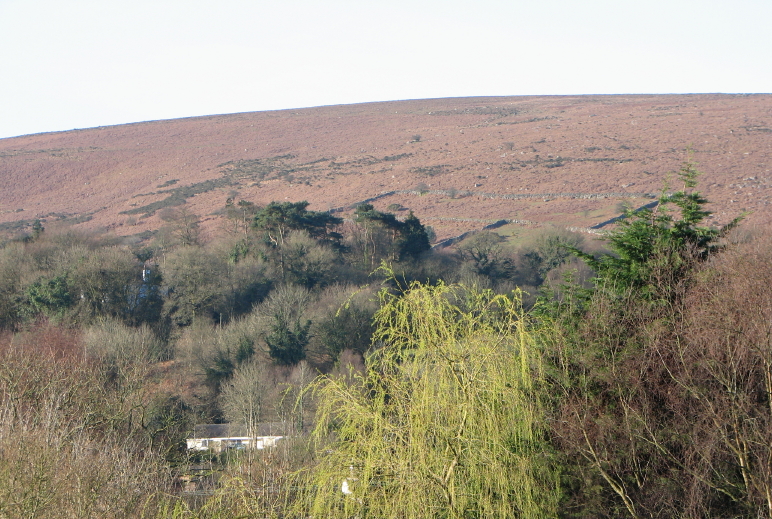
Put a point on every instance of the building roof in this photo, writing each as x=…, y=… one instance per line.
x=230, y=430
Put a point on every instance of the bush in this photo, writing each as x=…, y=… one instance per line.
x=70, y=447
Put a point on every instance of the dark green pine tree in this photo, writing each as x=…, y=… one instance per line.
x=277, y=219
x=49, y=297
x=652, y=243
x=413, y=240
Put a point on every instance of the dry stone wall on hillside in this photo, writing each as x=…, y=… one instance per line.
x=509, y=196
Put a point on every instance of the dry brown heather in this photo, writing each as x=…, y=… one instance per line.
x=338, y=155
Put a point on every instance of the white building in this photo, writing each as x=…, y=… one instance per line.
x=220, y=437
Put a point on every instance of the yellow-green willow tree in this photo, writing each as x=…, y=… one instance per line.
x=446, y=421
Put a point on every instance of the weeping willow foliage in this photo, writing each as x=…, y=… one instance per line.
x=446, y=421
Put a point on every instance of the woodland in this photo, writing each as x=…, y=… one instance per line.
x=630, y=377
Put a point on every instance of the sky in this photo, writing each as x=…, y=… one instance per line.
x=85, y=63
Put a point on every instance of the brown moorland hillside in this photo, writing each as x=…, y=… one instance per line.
x=457, y=163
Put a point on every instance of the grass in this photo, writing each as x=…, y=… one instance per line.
x=15, y=226
x=392, y=158
x=258, y=169
x=283, y=167
x=54, y=152
x=430, y=171
x=532, y=120
x=23, y=225
x=178, y=196
x=234, y=172
x=499, y=111
x=367, y=161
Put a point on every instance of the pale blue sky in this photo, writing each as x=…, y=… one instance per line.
x=68, y=64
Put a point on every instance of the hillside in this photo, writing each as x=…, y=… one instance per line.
x=467, y=157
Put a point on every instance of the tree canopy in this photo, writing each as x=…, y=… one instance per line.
x=409, y=238
x=277, y=219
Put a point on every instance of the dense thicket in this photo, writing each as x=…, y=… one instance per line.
x=433, y=388
x=659, y=412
